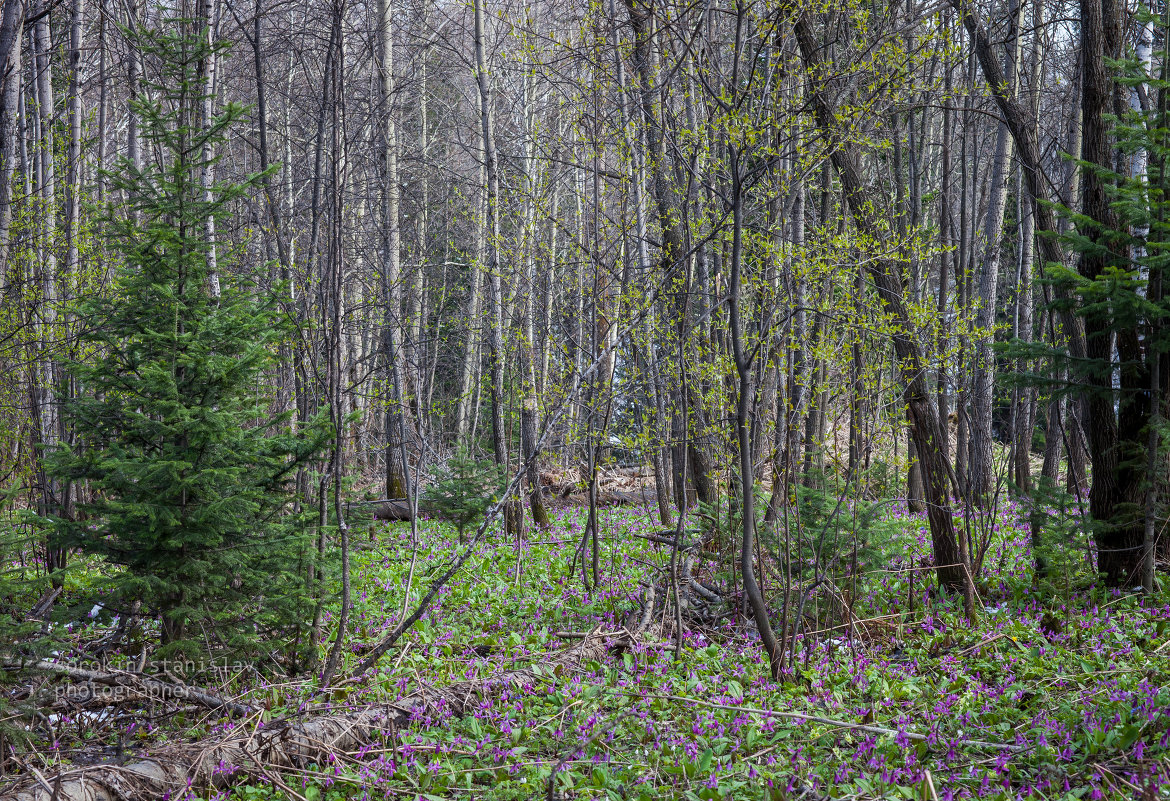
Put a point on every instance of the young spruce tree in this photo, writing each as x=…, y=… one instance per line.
x=189, y=489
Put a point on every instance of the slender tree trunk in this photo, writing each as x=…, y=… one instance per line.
x=73, y=114
x=11, y=25
x=1022, y=397
x=492, y=266
x=659, y=456
x=530, y=408
x=414, y=348
x=674, y=260
x=334, y=365
x=549, y=287
x=856, y=383
x=980, y=463
x=1026, y=407
x=743, y=368
x=1053, y=436
x=72, y=281
x=274, y=212
x=208, y=19
x=788, y=416
x=134, y=88
x=397, y=468
x=948, y=258
x=813, y=392
x=469, y=371
x=50, y=280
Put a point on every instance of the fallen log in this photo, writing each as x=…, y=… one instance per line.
x=647, y=611
x=253, y=751
x=638, y=497
x=392, y=511
x=607, y=498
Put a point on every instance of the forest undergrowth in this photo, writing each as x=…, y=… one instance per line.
x=1061, y=691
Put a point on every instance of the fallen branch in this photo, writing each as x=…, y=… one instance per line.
x=40, y=610
x=667, y=538
x=647, y=611
x=844, y=724
x=152, y=686
x=710, y=596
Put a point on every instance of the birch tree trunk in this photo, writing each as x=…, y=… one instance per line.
x=397, y=465
x=49, y=280
x=11, y=25
x=980, y=463
x=209, y=19
x=414, y=348
x=134, y=89
x=632, y=139
x=948, y=258
x=530, y=406
x=469, y=371
x=1024, y=405
x=73, y=114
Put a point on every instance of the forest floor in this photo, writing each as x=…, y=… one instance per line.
x=1061, y=691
